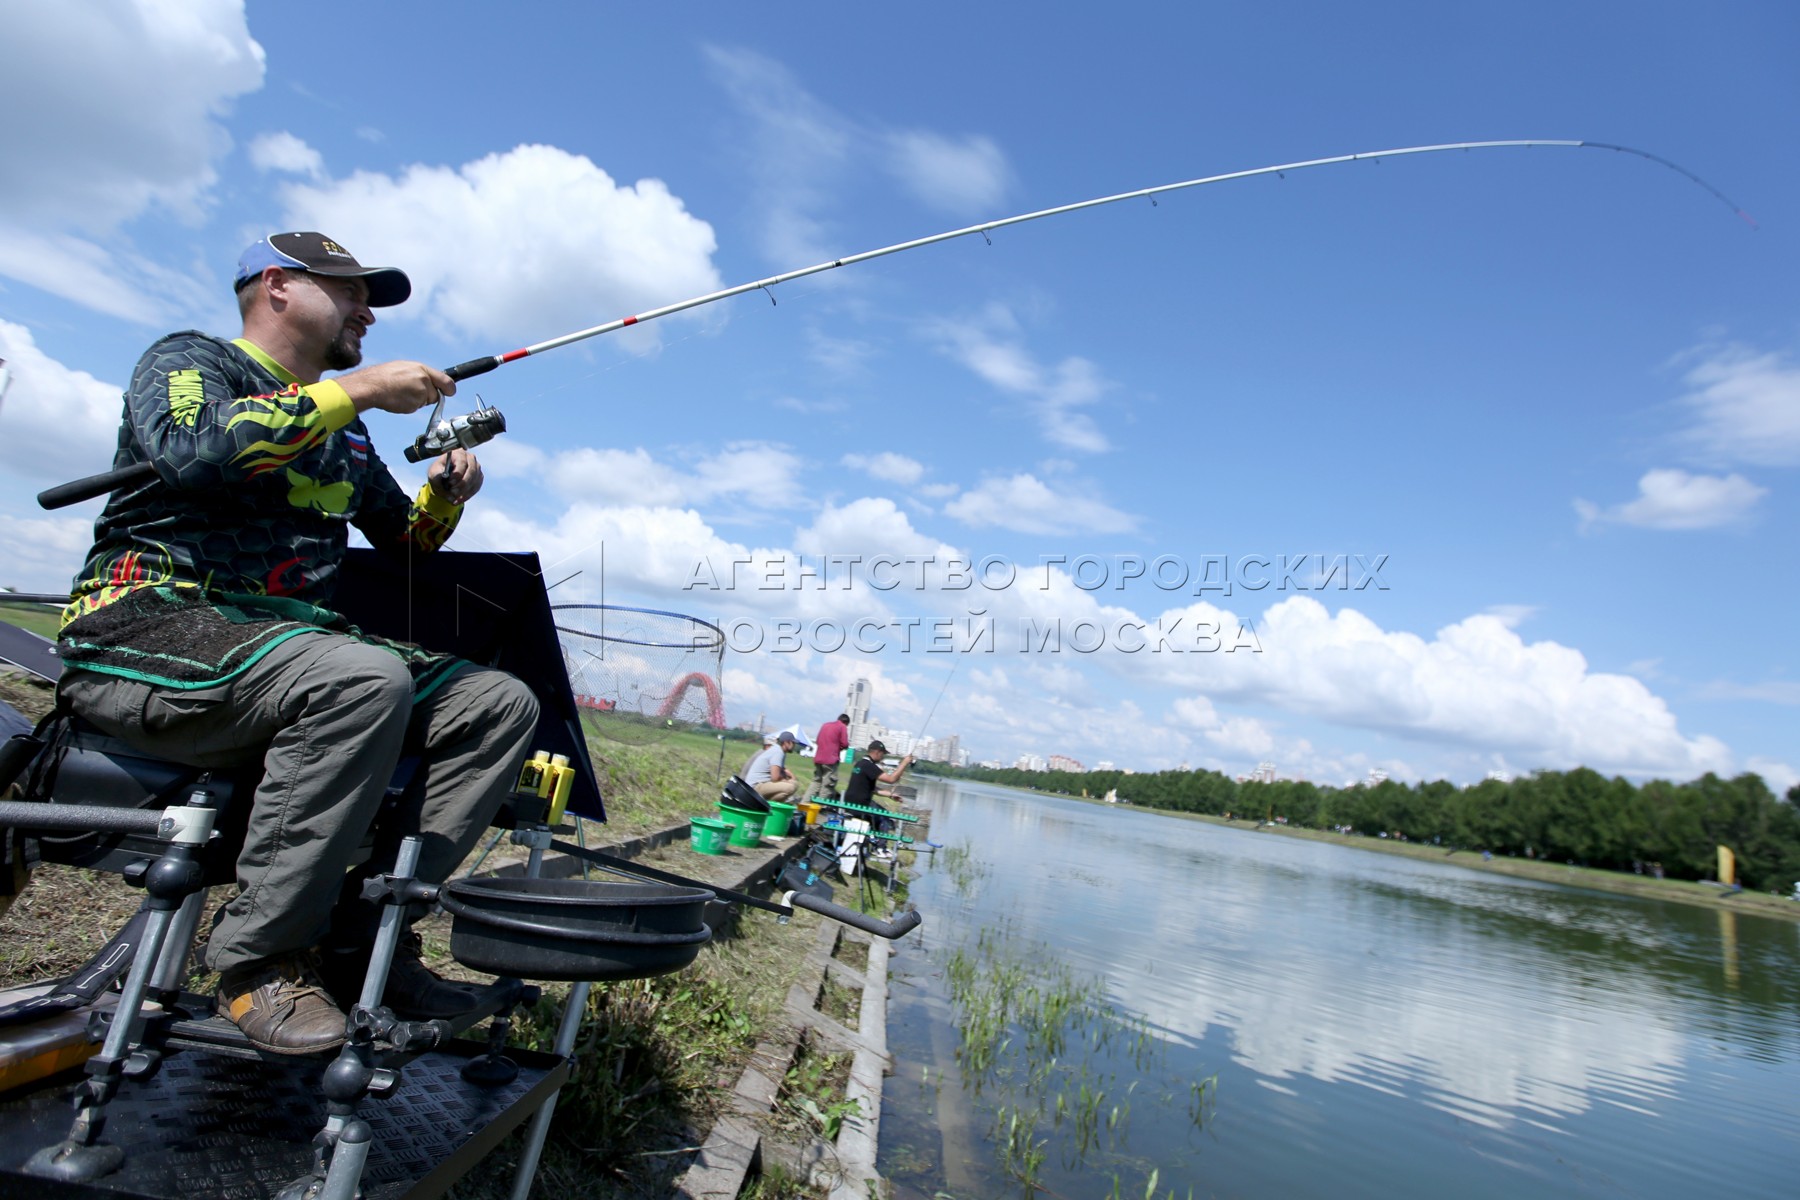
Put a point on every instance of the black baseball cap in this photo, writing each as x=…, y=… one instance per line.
x=319, y=255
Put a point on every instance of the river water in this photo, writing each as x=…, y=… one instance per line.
x=1375, y=1025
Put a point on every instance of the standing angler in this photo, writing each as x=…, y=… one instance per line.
x=200, y=629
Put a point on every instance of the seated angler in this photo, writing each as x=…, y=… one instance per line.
x=768, y=772
x=200, y=630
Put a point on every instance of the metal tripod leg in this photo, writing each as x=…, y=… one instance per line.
x=173, y=879
x=565, y=1046
x=540, y=1124
x=171, y=967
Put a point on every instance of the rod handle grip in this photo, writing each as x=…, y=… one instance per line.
x=899, y=927
x=77, y=490
x=475, y=366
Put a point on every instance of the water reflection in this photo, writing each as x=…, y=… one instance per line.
x=1501, y=1004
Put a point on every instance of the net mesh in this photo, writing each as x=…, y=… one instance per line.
x=639, y=674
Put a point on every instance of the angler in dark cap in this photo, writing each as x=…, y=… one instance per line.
x=201, y=629
x=317, y=254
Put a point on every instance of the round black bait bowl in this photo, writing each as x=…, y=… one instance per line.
x=574, y=929
x=739, y=794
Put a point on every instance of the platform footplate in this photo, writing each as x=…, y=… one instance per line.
x=216, y=1125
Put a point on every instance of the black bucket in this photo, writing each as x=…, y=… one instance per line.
x=575, y=928
x=739, y=794
x=796, y=878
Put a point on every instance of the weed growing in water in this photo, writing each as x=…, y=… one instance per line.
x=1149, y=1190
x=1021, y=1152
x=1048, y=1048
x=963, y=867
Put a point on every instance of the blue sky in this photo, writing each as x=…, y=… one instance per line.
x=1554, y=394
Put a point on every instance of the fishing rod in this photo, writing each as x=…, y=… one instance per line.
x=442, y=435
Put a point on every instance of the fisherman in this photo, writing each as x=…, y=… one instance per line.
x=828, y=748
x=200, y=630
x=768, y=772
x=864, y=777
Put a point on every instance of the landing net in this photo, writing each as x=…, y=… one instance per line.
x=640, y=674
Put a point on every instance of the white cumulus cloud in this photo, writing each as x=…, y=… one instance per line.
x=760, y=474
x=517, y=243
x=286, y=153
x=116, y=109
x=55, y=423
x=895, y=468
x=41, y=554
x=1026, y=504
x=1475, y=684
x=1670, y=498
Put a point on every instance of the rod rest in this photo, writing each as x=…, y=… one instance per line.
x=77, y=818
x=93, y=790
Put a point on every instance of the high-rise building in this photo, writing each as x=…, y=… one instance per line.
x=862, y=692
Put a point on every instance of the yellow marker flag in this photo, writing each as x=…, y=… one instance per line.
x=1727, y=866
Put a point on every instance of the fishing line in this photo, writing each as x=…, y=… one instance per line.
x=940, y=696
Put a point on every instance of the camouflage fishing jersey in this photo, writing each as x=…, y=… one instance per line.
x=237, y=543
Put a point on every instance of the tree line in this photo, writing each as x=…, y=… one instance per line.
x=1577, y=816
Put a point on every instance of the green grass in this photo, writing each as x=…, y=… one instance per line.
x=650, y=785
x=36, y=618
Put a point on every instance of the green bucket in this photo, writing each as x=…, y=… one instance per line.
x=708, y=835
x=779, y=820
x=746, y=826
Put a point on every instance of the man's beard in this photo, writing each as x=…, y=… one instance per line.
x=344, y=352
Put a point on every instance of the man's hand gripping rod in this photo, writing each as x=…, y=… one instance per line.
x=466, y=431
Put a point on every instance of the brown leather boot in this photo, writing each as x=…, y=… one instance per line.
x=414, y=992
x=281, y=1006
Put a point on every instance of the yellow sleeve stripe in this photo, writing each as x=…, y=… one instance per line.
x=336, y=409
x=434, y=505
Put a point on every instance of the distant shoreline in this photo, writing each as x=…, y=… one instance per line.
x=1679, y=891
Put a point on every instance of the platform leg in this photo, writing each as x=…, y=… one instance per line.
x=344, y=1180
x=170, y=881
x=540, y=1124
x=171, y=967
x=353, y=1075
x=393, y=920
